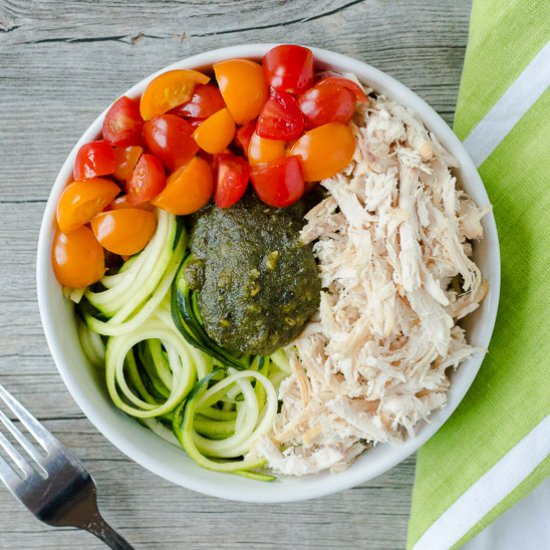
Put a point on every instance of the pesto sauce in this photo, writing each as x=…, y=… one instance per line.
x=258, y=284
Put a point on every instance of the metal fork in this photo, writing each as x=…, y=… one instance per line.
x=53, y=484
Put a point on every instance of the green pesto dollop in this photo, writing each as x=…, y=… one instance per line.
x=258, y=283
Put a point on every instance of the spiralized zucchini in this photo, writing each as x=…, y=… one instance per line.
x=162, y=369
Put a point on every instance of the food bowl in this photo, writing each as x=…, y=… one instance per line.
x=153, y=453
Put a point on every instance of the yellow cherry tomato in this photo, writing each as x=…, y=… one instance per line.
x=78, y=259
x=216, y=132
x=325, y=150
x=169, y=90
x=243, y=87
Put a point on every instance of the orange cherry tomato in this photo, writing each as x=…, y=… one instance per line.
x=243, y=88
x=126, y=159
x=325, y=150
x=124, y=202
x=125, y=231
x=78, y=259
x=188, y=189
x=264, y=150
x=216, y=132
x=169, y=90
x=82, y=200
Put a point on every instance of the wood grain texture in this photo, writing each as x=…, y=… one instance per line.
x=62, y=62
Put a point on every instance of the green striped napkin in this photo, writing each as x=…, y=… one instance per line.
x=496, y=447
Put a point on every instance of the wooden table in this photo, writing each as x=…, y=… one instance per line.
x=61, y=63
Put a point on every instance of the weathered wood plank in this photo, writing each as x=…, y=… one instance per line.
x=63, y=62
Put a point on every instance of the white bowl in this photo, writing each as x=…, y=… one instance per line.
x=86, y=385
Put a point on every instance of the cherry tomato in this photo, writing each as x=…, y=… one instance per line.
x=216, y=132
x=169, y=90
x=122, y=123
x=244, y=134
x=325, y=150
x=188, y=189
x=243, y=87
x=78, y=259
x=289, y=68
x=125, y=231
x=205, y=101
x=147, y=181
x=126, y=159
x=82, y=200
x=280, y=118
x=264, y=150
x=94, y=159
x=350, y=85
x=326, y=103
x=232, y=173
x=278, y=183
x=123, y=202
x=169, y=138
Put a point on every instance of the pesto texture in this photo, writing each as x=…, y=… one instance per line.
x=257, y=284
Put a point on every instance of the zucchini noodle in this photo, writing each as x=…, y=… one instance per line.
x=162, y=369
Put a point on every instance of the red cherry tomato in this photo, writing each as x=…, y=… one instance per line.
x=169, y=138
x=350, y=85
x=122, y=123
x=205, y=101
x=289, y=68
x=244, y=134
x=278, y=183
x=94, y=159
x=326, y=103
x=147, y=181
x=280, y=118
x=232, y=174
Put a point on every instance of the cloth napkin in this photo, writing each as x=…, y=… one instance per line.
x=495, y=448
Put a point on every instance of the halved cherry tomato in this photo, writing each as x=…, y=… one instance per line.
x=147, y=181
x=188, y=189
x=350, y=85
x=169, y=90
x=78, y=259
x=94, y=159
x=278, y=183
x=126, y=159
x=123, y=202
x=125, y=231
x=327, y=102
x=244, y=134
x=232, y=173
x=82, y=200
x=216, y=132
x=289, y=68
x=280, y=118
x=205, y=101
x=325, y=150
x=169, y=138
x=243, y=87
x=122, y=123
x=264, y=150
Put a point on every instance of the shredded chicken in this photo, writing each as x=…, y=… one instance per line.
x=393, y=244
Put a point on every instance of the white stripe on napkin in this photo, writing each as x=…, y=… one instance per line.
x=497, y=483
x=510, y=108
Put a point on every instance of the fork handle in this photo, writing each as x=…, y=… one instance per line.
x=102, y=530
